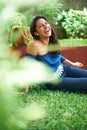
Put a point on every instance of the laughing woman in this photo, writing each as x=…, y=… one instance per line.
x=73, y=77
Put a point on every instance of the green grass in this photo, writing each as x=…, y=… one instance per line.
x=64, y=110
x=73, y=42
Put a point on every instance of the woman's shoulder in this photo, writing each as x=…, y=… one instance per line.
x=32, y=48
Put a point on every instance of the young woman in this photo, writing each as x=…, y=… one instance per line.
x=73, y=78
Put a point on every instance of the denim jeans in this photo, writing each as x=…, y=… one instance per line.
x=73, y=79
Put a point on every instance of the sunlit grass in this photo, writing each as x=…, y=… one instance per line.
x=73, y=42
x=65, y=111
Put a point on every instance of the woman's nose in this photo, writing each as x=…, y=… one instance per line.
x=45, y=25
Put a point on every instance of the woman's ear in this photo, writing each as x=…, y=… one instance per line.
x=36, y=33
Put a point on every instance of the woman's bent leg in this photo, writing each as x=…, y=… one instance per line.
x=74, y=79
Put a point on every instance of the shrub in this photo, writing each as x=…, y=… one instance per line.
x=74, y=22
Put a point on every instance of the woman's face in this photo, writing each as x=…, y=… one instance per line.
x=43, y=28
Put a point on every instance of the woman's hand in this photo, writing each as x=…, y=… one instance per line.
x=77, y=64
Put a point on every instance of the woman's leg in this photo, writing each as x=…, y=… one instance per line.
x=74, y=72
x=74, y=84
x=70, y=84
x=74, y=79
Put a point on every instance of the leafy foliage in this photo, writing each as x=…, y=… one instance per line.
x=16, y=27
x=74, y=22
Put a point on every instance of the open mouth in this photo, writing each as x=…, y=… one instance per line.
x=47, y=31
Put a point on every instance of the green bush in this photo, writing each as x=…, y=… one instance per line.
x=74, y=22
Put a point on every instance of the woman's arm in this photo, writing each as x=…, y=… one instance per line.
x=75, y=64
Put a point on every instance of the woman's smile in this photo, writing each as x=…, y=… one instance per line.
x=47, y=31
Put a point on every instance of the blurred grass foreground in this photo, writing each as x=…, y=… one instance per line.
x=12, y=71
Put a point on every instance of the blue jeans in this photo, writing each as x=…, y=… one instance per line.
x=73, y=79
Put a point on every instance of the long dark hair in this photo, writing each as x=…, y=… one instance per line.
x=53, y=37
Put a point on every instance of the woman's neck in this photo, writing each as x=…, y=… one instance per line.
x=44, y=41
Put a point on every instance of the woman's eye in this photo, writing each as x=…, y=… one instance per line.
x=41, y=26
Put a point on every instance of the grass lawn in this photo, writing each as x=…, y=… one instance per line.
x=64, y=110
x=73, y=42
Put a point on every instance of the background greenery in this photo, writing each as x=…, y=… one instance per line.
x=74, y=22
x=69, y=23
